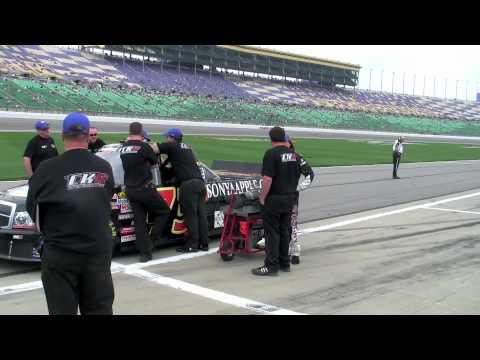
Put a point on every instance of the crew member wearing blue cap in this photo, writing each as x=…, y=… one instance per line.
x=192, y=189
x=137, y=159
x=40, y=147
x=69, y=199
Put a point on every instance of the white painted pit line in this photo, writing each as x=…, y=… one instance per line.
x=451, y=210
x=215, y=295
x=387, y=213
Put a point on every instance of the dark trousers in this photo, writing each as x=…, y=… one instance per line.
x=276, y=215
x=396, y=163
x=72, y=281
x=143, y=200
x=192, y=203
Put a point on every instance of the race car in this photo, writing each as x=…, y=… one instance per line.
x=20, y=241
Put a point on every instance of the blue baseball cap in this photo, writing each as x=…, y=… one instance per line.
x=174, y=133
x=145, y=135
x=76, y=123
x=42, y=125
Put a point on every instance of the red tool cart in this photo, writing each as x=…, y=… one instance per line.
x=242, y=229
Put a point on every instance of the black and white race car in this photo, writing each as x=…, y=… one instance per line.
x=19, y=238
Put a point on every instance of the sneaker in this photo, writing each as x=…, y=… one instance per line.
x=203, y=247
x=295, y=260
x=261, y=244
x=264, y=271
x=185, y=249
x=145, y=258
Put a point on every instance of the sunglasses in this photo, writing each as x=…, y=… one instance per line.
x=93, y=134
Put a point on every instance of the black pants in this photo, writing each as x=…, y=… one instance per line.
x=72, y=280
x=192, y=203
x=276, y=216
x=396, y=163
x=143, y=200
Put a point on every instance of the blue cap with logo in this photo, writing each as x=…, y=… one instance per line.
x=174, y=133
x=42, y=125
x=145, y=135
x=76, y=123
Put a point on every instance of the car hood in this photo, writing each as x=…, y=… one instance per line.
x=16, y=195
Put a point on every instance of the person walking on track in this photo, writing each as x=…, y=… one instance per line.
x=397, y=155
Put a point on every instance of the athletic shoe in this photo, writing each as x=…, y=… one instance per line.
x=261, y=244
x=185, y=249
x=295, y=260
x=145, y=258
x=203, y=247
x=264, y=271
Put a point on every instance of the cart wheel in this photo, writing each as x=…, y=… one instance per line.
x=227, y=257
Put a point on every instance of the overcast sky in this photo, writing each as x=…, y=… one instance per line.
x=451, y=62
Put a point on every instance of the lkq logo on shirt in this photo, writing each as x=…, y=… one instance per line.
x=85, y=180
x=287, y=157
x=132, y=149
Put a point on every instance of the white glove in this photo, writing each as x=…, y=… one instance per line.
x=304, y=183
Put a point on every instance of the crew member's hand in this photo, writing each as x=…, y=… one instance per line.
x=262, y=201
x=154, y=147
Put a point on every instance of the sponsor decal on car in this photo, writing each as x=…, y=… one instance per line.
x=127, y=238
x=125, y=216
x=125, y=208
x=226, y=188
x=127, y=230
x=218, y=219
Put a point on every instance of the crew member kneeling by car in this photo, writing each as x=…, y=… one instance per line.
x=280, y=171
x=69, y=199
x=192, y=187
x=137, y=158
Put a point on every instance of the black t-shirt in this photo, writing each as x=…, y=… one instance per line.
x=73, y=192
x=39, y=149
x=137, y=158
x=283, y=166
x=94, y=147
x=183, y=160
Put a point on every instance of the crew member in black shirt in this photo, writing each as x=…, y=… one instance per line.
x=192, y=189
x=280, y=171
x=40, y=147
x=69, y=199
x=137, y=158
x=94, y=143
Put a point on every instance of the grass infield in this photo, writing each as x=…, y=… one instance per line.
x=318, y=152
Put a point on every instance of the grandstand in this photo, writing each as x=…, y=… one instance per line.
x=217, y=82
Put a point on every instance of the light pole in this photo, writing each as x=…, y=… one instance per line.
x=393, y=80
x=381, y=81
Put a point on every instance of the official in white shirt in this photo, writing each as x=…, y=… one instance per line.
x=397, y=154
